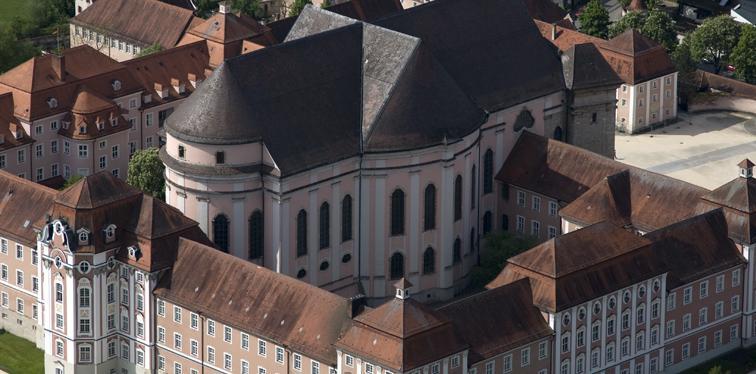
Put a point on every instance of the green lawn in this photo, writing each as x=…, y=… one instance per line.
x=12, y=8
x=20, y=356
x=741, y=361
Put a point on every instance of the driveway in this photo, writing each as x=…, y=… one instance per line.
x=702, y=148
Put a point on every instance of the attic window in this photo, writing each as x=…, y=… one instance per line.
x=52, y=102
x=66, y=124
x=82, y=129
x=220, y=157
x=181, y=152
x=116, y=85
x=83, y=237
x=114, y=121
x=110, y=232
x=134, y=253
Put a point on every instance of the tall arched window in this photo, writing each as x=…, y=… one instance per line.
x=397, y=212
x=220, y=232
x=429, y=261
x=558, y=133
x=430, y=207
x=302, y=233
x=487, y=222
x=473, y=191
x=397, y=266
x=458, y=198
x=325, y=225
x=346, y=218
x=457, y=251
x=256, y=235
x=488, y=172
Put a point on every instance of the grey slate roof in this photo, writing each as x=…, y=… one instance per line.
x=585, y=67
x=338, y=86
x=492, y=48
x=747, y=10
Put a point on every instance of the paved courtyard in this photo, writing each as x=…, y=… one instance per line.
x=702, y=148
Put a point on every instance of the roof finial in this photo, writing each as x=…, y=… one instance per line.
x=746, y=168
x=402, y=289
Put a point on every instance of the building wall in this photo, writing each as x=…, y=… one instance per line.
x=19, y=290
x=201, y=360
x=523, y=211
x=370, y=182
x=109, y=45
x=533, y=357
x=591, y=119
x=647, y=103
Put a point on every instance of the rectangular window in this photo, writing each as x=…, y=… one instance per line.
x=670, y=328
x=85, y=353
x=227, y=334
x=718, y=310
x=671, y=301
x=703, y=289
x=193, y=347
x=114, y=152
x=148, y=120
x=553, y=208
x=520, y=224
x=83, y=151
x=244, y=367
x=702, y=344
x=736, y=278
x=227, y=361
x=735, y=304
x=40, y=174
x=686, y=323
x=280, y=357
x=507, y=363
x=2, y=161
x=211, y=355
x=161, y=308
x=542, y=350
x=103, y=162
x=245, y=341
x=703, y=316
x=535, y=228
x=314, y=367
x=687, y=295
x=211, y=327
x=35, y=284
x=520, y=198
x=298, y=363
x=525, y=357
x=84, y=326
x=21, y=155
x=39, y=150
x=669, y=357
x=536, y=203
x=177, y=314
x=719, y=283
x=3, y=246
x=261, y=348
x=733, y=333
x=19, y=278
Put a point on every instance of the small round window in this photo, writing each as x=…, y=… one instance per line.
x=301, y=273
x=657, y=285
x=642, y=291
x=626, y=297
x=612, y=302
x=566, y=319
x=84, y=267
x=58, y=262
x=324, y=265
x=111, y=263
x=596, y=307
x=346, y=258
x=581, y=314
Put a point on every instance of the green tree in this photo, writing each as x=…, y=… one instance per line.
x=71, y=181
x=718, y=370
x=714, y=40
x=155, y=48
x=683, y=59
x=297, y=7
x=146, y=172
x=594, y=20
x=660, y=27
x=631, y=20
x=744, y=55
x=12, y=50
x=498, y=249
x=252, y=8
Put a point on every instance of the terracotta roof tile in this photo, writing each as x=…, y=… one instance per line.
x=289, y=312
x=509, y=308
x=584, y=67
x=23, y=204
x=227, y=28
x=636, y=58
x=159, y=22
x=95, y=191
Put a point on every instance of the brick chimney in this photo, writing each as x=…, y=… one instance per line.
x=58, y=63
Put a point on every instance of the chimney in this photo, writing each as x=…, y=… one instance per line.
x=553, y=31
x=746, y=168
x=223, y=7
x=58, y=63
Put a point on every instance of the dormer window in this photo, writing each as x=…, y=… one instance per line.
x=82, y=129
x=110, y=233
x=134, y=253
x=83, y=237
x=66, y=124
x=100, y=125
x=52, y=102
x=116, y=85
x=220, y=157
x=114, y=121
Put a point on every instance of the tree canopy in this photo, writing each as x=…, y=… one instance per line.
x=660, y=27
x=146, y=173
x=150, y=50
x=12, y=50
x=297, y=7
x=744, y=55
x=631, y=20
x=498, y=248
x=715, y=40
x=252, y=8
x=594, y=20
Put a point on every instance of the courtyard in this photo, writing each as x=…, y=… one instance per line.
x=701, y=148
